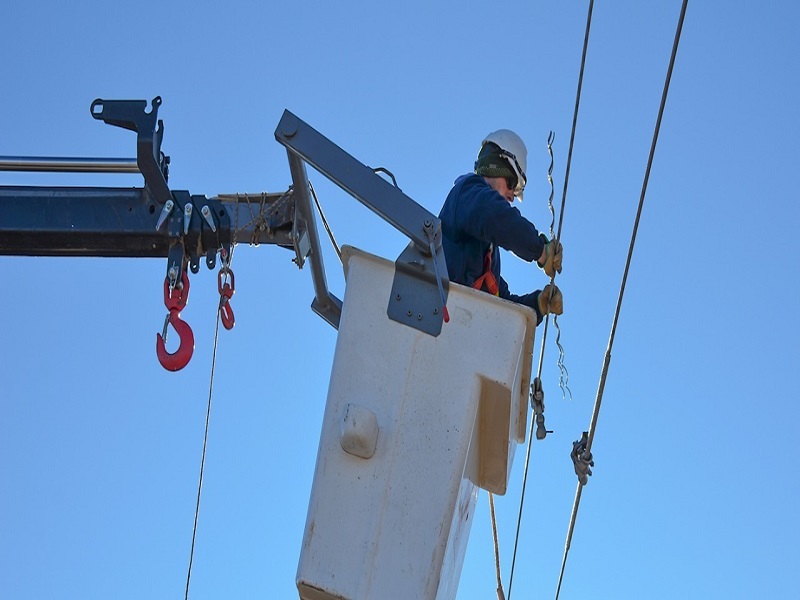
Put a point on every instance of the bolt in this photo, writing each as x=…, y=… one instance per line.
x=290, y=128
x=436, y=311
x=397, y=297
x=409, y=313
x=419, y=317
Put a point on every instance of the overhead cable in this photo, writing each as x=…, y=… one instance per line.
x=560, y=224
x=607, y=358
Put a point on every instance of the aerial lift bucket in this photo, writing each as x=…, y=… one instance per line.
x=413, y=425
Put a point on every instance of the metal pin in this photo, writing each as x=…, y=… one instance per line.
x=187, y=217
x=209, y=219
x=164, y=213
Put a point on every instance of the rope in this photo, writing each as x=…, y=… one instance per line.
x=203, y=458
x=547, y=320
x=500, y=595
x=607, y=358
x=260, y=221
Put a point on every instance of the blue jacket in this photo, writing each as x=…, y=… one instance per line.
x=475, y=216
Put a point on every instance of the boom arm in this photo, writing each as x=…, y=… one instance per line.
x=154, y=221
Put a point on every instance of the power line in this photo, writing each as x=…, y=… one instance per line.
x=607, y=358
x=547, y=320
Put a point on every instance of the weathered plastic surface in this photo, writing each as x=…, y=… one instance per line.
x=413, y=423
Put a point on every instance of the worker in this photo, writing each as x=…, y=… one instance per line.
x=478, y=218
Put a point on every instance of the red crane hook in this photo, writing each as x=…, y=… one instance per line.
x=175, y=301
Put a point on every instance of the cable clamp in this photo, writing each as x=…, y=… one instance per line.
x=582, y=459
x=537, y=404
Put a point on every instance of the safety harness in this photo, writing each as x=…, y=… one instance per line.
x=488, y=279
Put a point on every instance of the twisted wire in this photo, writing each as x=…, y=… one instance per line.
x=259, y=220
x=563, y=378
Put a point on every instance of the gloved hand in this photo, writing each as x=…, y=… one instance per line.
x=550, y=300
x=550, y=260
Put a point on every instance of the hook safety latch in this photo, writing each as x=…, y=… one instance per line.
x=226, y=291
x=175, y=298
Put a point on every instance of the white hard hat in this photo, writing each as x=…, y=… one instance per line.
x=514, y=151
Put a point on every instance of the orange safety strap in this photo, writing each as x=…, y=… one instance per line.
x=488, y=277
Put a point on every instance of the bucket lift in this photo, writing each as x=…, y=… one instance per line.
x=418, y=415
x=413, y=425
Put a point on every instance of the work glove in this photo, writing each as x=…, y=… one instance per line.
x=550, y=260
x=550, y=300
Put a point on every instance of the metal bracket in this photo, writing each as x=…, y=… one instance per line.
x=197, y=226
x=133, y=115
x=415, y=299
x=300, y=238
x=422, y=299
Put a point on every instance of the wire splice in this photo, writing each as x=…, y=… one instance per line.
x=563, y=378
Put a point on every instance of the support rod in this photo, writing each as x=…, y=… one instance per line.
x=58, y=164
x=358, y=180
x=325, y=304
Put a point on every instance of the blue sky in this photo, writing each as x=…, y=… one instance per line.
x=694, y=489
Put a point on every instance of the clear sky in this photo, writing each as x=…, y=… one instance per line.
x=695, y=487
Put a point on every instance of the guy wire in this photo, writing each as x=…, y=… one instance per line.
x=607, y=358
x=560, y=224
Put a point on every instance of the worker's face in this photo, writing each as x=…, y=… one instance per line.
x=500, y=185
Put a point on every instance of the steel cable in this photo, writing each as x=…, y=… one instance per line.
x=607, y=358
x=203, y=458
x=560, y=224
